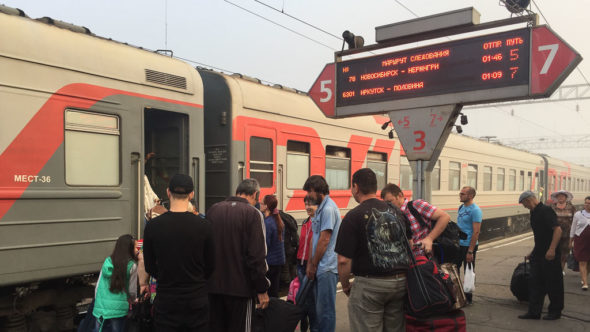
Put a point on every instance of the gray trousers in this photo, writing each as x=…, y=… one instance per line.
x=377, y=304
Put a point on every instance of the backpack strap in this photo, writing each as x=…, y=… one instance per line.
x=416, y=214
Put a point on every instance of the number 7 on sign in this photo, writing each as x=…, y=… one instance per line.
x=553, y=50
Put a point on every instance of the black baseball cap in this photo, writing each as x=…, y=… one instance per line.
x=181, y=184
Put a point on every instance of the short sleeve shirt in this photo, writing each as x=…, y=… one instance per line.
x=327, y=217
x=367, y=240
x=426, y=210
x=466, y=216
x=543, y=220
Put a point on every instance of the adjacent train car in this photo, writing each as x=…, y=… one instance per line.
x=278, y=136
x=77, y=115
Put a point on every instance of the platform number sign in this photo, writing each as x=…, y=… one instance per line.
x=322, y=91
x=552, y=59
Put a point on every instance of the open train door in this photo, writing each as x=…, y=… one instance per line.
x=261, y=158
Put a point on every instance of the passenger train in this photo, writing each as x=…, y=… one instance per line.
x=80, y=113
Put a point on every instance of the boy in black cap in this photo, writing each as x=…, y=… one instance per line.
x=178, y=252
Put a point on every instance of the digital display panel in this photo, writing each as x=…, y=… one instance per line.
x=483, y=62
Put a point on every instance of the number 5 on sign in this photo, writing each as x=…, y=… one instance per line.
x=324, y=88
x=322, y=91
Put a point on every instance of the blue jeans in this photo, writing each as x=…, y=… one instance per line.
x=308, y=307
x=110, y=325
x=325, y=300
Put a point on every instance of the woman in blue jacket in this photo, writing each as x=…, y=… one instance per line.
x=275, y=232
x=116, y=287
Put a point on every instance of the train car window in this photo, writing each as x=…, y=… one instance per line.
x=297, y=164
x=577, y=185
x=537, y=184
x=454, y=175
x=521, y=181
x=500, y=179
x=551, y=183
x=472, y=175
x=487, y=178
x=92, y=149
x=562, y=182
x=338, y=167
x=512, y=179
x=568, y=185
x=377, y=161
x=405, y=174
x=529, y=180
x=261, y=161
x=435, y=177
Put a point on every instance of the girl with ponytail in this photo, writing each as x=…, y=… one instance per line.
x=275, y=232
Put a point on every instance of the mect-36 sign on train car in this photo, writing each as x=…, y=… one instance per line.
x=517, y=64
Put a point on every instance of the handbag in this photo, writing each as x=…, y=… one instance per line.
x=469, y=279
x=572, y=263
x=430, y=291
x=453, y=272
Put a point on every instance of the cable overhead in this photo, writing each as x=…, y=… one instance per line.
x=280, y=25
x=217, y=68
x=546, y=21
x=408, y=9
x=299, y=20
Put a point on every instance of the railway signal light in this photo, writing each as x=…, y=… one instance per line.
x=459, y=129
x=464, y=120
x=383, y=126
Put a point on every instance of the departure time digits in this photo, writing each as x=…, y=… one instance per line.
x=497, y=60
x=502, y=50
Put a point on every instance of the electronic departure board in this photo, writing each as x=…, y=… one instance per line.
x=486, y=62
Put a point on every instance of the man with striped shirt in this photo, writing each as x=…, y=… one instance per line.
x=423, y=235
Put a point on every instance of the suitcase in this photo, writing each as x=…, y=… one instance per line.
x=453, y=321
x=451, y=270
x=280, y=316
x=519, y=284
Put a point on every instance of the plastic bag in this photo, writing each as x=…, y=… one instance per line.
x=572, y=263
x=469, y=280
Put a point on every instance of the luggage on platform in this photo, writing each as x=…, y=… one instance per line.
x=451, y=270
x=519, y=285
x=453, y=321
x=279, y=316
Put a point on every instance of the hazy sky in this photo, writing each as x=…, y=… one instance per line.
x=218, y=34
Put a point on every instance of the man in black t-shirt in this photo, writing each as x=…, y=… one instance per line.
x=546, y=276
x=370, y=246
x=178, y=251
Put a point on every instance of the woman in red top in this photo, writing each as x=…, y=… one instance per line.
x=303, y=255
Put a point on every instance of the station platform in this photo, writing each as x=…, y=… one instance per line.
x=494, y=307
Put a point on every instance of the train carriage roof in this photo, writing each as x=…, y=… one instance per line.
x=62, y=45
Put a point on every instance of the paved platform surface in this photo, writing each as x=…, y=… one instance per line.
x=494, y=307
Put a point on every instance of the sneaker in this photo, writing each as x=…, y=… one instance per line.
x=585, y=287
x=563, y=272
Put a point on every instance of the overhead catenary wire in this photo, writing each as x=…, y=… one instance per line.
x=299, y=20
x=279, y=25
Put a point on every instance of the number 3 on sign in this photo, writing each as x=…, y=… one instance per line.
x=420, y=135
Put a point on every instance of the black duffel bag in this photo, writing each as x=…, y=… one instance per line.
x=279, y=316
x=430, y=291
x=519, y=284
x=446, y=246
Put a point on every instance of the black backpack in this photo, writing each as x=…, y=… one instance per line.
x=291, y=240
x=446, y=247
